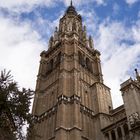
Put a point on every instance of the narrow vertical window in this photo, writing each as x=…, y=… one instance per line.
x=58, y=59
x=89, y=65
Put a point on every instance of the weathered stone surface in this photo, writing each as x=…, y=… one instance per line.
x=71, y=100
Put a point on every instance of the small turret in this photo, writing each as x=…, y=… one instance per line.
x=51, y=42
x=85, y=33
x=56, y=36
x=137, y=75
x=91, y=44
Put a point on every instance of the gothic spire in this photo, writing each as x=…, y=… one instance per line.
x=71, y=3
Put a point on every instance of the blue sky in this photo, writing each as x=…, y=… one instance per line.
x=26, y=25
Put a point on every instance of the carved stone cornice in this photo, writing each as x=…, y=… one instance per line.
x=45, y=114
x=87, y=111
x=68, y=129
x=61, y=99
x=66, y=100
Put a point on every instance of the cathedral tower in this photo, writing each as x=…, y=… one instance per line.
x=70, y=96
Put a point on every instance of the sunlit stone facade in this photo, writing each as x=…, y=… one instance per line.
x=71, y=101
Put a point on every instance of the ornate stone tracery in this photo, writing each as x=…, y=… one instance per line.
x=134, y=119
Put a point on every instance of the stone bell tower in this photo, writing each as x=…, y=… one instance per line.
x=131, y=96
x=70, y=88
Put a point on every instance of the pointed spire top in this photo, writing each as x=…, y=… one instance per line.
x=71, y=4
x=71, y=9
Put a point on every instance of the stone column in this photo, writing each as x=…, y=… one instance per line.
x=110, y=137
x=116, y=133
x=107, y=136
x=123, y=133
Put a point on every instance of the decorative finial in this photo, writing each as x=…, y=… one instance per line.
x=137, y=75
x=91, y=44
x=71, y=3
x=56, y=29
x=85, y=28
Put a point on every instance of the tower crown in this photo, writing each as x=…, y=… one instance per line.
x=70, y=26
x=71, y=10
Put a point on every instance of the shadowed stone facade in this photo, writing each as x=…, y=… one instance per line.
x=71, y=100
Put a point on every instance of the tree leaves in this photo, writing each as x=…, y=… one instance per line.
x=14, y=104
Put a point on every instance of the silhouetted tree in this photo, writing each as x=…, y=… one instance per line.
x=14, y=106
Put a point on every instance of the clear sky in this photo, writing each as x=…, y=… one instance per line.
x=26, y=25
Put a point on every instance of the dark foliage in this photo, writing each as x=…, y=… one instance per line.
x=14, y=105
